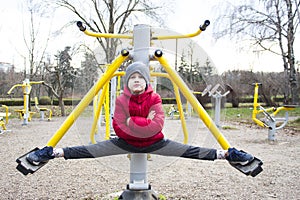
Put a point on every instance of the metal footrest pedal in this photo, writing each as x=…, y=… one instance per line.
x=253, y=168
x=26, y=167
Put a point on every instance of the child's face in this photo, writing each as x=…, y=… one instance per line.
x=136, y=83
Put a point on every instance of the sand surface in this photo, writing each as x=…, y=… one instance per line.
x=175, y=178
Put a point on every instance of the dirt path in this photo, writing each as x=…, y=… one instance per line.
x=175, y=178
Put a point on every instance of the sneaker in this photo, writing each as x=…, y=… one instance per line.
x=238, y=157
x=41, y=155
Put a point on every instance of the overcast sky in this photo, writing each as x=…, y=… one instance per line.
x=187, y=17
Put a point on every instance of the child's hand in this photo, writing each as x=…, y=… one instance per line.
x=151, y=114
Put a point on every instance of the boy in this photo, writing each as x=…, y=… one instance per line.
x=138, y=122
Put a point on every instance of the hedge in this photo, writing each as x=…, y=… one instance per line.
x=69, y=102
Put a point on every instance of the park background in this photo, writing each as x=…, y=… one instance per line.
x=40, y=41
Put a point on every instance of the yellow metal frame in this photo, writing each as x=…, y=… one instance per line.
x=194, y=102
x=87, y=99
x=26, y=87
x=104, y=101
x=3, y=123
x=257, y=108
x=42, y=109
x=179, y=104
x=164, y=37
x=97, y=114
x=112, y=71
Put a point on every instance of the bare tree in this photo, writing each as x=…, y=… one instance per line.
x=112, y=16
x=272, y=25
x=240, y=84
x=36, y=47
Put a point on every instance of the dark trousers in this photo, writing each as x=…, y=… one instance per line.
x=118, y=146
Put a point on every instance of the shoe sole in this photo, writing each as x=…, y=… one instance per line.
x=242, y=163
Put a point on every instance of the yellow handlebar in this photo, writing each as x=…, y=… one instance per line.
x=36, y=82
x=6, y=113
x=105, y=35
x=201, y=28
x=285, y=108
x=24, y=85
x=123, y=36
x=13, y=87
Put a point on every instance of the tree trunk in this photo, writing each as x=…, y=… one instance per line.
x=61, y=104
x=232, y=97
x=267, y=96
x=290, y=54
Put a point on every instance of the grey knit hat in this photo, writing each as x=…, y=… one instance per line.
x=139, y=67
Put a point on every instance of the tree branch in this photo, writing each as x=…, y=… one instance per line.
x=51, y=88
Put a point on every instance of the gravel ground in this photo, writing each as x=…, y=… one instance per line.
x=175, y=178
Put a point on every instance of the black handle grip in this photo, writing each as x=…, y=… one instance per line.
x=205, y=24
x=80, y=26
x=256, y=83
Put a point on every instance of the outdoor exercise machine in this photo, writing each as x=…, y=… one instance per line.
x=4, y=118
x=270, y=120
x=172, y=112
x=138, y=187
x=42, y=110
x=24, y=113
x=105, y=100
x=216, y=94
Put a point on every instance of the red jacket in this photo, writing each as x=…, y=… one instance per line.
x=141, y=131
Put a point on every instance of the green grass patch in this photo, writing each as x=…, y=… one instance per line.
x=244, y=114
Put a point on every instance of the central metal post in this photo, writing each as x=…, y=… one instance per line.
x=138, y=188
x=138, y=162
x=218, y=97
